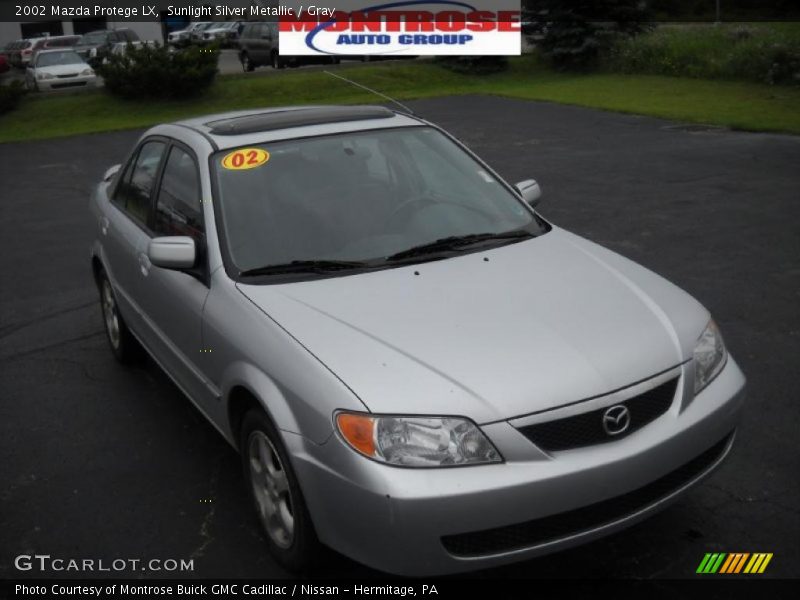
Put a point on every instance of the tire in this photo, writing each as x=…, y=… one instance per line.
x=277, y=61
x=247, y=64
x=124, y=345
x=274, y=489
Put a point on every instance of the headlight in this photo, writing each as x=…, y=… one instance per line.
x=417, y=441
x=709, y=357
x=87, y=72
x=45, y=76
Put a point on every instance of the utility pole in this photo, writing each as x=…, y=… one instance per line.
x=719, y=20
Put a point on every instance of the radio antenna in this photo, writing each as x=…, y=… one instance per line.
x=405, y=108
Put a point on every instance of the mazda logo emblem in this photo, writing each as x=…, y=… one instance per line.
x=616, y=419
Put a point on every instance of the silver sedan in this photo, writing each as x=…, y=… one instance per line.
x=417, y=368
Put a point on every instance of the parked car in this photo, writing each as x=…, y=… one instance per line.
x=258, y=46
x=96, y=45
x=8, y=50
x=225, y=34
x=196, y=35
x=183, y=37
x=20, y=55
x=418, y=369
x=54, y=41
x=58, y=69
x=4, y=66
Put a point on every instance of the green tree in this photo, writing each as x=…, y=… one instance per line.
x=572, y=34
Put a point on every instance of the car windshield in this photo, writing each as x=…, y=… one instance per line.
x=51, y=59
x=363, y=196
x=98, y=37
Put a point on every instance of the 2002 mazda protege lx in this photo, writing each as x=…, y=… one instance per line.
x=418, y=370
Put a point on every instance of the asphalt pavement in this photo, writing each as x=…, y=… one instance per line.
x=102, y=461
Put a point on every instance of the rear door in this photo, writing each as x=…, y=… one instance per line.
x=124, y=227
x=172, y=301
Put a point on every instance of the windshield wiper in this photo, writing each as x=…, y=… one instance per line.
x=303, y=266
x=457, y=241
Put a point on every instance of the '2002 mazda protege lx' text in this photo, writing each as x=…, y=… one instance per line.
x=417, y=369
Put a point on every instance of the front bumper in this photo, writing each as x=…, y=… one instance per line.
x=437, y=521
x=79, y=81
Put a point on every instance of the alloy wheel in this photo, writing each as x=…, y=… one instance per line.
x=270, y=484
x=110, y=315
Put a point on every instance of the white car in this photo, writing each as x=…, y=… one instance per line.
x=59, y=69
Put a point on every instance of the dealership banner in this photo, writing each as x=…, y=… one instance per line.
x=403, y=28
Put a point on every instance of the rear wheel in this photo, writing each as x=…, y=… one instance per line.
x=125, y=347
x=276, y=494
x=247, y=64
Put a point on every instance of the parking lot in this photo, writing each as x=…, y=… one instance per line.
x=102, y=461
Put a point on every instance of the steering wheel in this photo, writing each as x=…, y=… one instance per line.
x=405, y=210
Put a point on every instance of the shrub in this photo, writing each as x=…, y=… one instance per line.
x=10, y=96
x=474, y=65
x=156, y=71
x=751, y=53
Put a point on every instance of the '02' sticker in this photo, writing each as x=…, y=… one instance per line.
x=245, y=158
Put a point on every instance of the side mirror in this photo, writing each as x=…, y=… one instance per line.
x=174, y=252
x=530, y=191
x=111, y=172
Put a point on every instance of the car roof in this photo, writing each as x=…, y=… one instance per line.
x=240, y=128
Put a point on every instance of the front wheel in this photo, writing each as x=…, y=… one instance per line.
x=276, y=495
x=247, y=64
x=125, y=347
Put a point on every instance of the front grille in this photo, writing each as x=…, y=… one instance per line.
x=67, y=76
x=586, y=429
x=548, y=529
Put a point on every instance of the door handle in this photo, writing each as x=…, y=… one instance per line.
x=144, y=264
x=104, y=223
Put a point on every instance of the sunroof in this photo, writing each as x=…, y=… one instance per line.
x=285, y=119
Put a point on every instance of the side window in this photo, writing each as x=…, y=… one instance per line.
x=265, y=32
x=134, y=190
x=178, y=208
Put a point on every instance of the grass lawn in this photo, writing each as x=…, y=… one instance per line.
x=740, y=105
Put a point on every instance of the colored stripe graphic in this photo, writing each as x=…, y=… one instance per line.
x=732, y=558
x=758, y=563
x=711, y=563
x=732, y=563
x=741, y=562
x=703, y=563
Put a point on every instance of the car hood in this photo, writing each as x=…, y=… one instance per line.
x=57, y=70
x=541, y=323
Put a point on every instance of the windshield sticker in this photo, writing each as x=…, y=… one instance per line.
x=246, y=158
